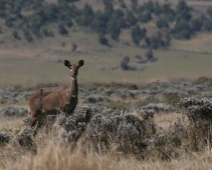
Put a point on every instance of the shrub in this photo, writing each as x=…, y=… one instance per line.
x=207, y=25
x=69, y=23
x=203, y=80
x=198, y=112
x=114, y=28
x=196, y=24
x=74, y=47
x=4, y=138
x=9, y=22
x=124, y=63
x=131, y=18
x=13, y=111
x=137, y=34
x=149, y=54
x=145, y=17
x=15, y=34
x=134, y=4
x=47, y=33
x=62, y=30
x=107, y=128
x=28, y=36
x=94, y=98
x=102, y=39
x=162, y=23
x=182, y=29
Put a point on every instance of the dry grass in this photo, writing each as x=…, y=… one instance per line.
x=165, y=119
x=55, y=156
x=10, y=122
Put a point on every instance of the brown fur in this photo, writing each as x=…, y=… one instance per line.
x=62, y=99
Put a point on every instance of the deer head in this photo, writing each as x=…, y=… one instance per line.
x=73, y=67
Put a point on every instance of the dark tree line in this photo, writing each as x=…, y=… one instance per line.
x=32, y=17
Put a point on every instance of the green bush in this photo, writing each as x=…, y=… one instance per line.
x=62, y=29
x=74, y=47
x=114, y=28
x=207, y=25
x=131, y=18
x=47, y=33
x=124, y=63
x=15, y=34
x=162, y=23
x=100, y=22
x=149, y=54
x=156, y=41
x=134, y=4
x=137, y=34
x=102, y=39
x=145, y=17
x=196, y=24
x=9, y=22
x=28, y=36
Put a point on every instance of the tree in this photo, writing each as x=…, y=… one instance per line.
x=69, y=23
x=209, y=12
x=86, y=17
x=167, y=39
x=182, y=6
x=134, y=4
x=102, y=39
x=15, y=34
x=155, y=41
x=74, y=47
x=207, y=25
x=185, y=34
x=162, y=23
x=47, y=33
x=168, y=12
x=158, y=8
x=137, y=34
x=108, y=8
x=183, y=11
x=149, y=54
x=28, y=36
x=131, y=18
x=51, y=12
x=100, y=22
x=182, y=29
x=149, y=6
x=181, y=25
x=114, y=29
x=62, y=29
x=146, y=17
x=89, y=14
x=196, y=24
x=124, y=63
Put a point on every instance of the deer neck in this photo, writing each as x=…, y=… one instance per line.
x=74, y=87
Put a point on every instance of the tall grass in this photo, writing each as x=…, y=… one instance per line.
x=57, y=157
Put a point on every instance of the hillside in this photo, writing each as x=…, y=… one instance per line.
x=31, y=42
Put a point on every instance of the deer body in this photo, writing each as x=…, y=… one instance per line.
x=62, y=99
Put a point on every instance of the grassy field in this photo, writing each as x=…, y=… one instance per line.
x=38, y=62
x=98, y=66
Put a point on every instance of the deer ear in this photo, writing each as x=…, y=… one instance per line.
x=67, y=63
x=81, y=63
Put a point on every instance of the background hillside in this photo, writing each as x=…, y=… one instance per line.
x=159, y=39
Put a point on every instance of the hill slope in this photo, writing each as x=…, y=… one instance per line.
x=39, y=61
